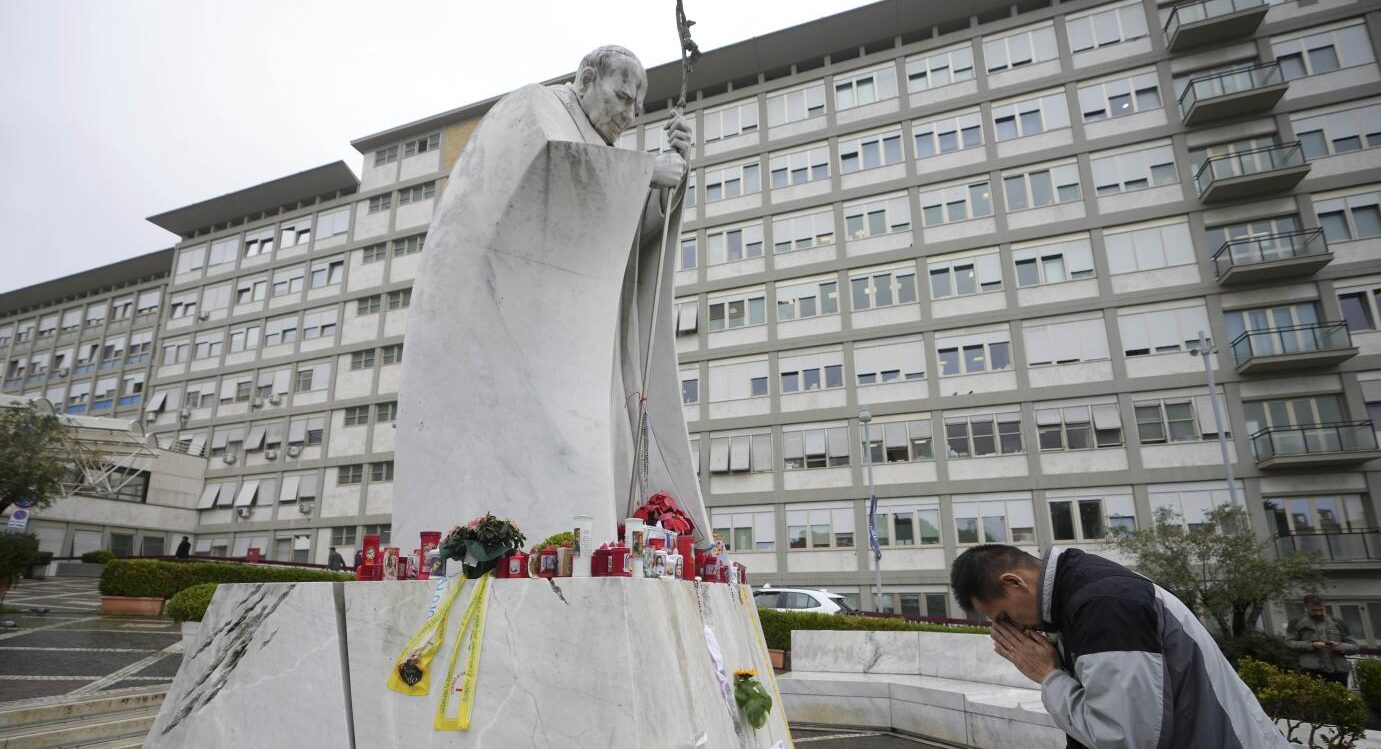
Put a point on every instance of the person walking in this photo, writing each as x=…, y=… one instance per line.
x=184, y=549
x=335, y=562
x=1323, y=642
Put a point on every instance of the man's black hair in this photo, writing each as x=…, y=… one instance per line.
x=975, y=573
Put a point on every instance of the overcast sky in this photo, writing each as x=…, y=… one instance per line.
x=112, y=111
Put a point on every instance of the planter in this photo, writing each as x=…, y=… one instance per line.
x=131, y=606
x=778, y=657
x=36, y=571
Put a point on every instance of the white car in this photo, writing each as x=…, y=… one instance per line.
x=801, y=599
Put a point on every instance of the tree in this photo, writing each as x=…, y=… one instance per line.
x=34, y=456
x=1219, y=569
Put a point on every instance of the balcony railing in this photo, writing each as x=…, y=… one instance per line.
x=1353, y=441
x=130, y=400
x=1233, y=92
x=1293, y=341
x=1223, y=176
x=1237, y=254
x=1337, y=546
x=1212, y=19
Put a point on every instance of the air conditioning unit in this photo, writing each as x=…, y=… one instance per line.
x=276, y=399
x=230, y=457
x=257, y=402
x=243, y=512
x=62, y=372
x=150, y=416
x=270, y=455
x=203, y=316
x=294, y=451
x=306, y=506
x=185, y=412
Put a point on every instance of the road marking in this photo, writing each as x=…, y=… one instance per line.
x=81, y=650
x=837, y=736
x=128, y=671
x=55, y=625
x=9, y=677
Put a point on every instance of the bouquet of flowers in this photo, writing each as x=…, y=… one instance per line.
x=483, y=540
x=751, y=697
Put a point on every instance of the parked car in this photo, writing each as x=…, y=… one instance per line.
x=801, y=599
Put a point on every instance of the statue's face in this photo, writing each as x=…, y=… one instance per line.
x=612, y=101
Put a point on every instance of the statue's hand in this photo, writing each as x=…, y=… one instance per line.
x=679, y=135
x=669, y=170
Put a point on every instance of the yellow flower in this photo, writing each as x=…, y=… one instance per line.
x=745, y=673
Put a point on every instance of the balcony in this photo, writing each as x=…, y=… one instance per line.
x=1315, y=445
x=1195, y=24
x=1295, y=254
x=1255, y=172
x=1232, y=94
x=1338, y=546
x=1323, y=344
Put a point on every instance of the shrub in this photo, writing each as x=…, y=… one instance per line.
x=17, y=552
x=1335, y=717
x=1261, y=647
x=777, y=625
x=1369, y=682
x=156, y=578
x=99, y=556
x=189, y=605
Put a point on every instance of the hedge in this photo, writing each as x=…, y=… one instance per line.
x=777, y=625
x=1369, y=683
x=99, y=556
x=189, y=605
x=1325, y=712
x=158, y=579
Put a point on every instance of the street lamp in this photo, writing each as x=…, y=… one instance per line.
x=1203, y=349
x=864, y=416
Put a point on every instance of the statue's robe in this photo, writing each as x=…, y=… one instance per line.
x=531, y=315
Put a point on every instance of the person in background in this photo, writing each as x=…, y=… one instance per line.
x=1323, y=642
x=184, y=549
x=335, y=562
x=359, y=559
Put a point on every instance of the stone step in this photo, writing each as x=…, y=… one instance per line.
x=90, y=731
x=63, y=708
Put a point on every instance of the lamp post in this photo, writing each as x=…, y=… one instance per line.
x=1204, y=350
x=864, y=416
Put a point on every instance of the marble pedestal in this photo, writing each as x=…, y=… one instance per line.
x=604, y=662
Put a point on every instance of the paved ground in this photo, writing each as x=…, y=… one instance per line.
x=72, y=649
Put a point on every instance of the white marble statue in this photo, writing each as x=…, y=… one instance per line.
x=532, y=318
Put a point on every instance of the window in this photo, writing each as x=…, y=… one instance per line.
x=362, y=360
x=899, y=441
x=1350, y=217
x=214, y=298
x=1190, y=503
x=1135, y=170
x=375, y=253
x=1067, y=260
x=745, y=529
x=386, y=155
x=799, y=167
x=95, y=317
x=1078, y=427
x=1323, y=51
x=1106, y=27
x=333, y=223
x=200, y=394
x=409, y=245
x=384, y=532
x=1080, y=517
x=1064, y=341
x=805, y=372
x=320, y=323
x=417, y=193
x=1041, y=187
x=400, y=299
x=795, y=105
x=948, y=134
x=392, y=354
x=380, y=203
x=1119, y=97
x=191, y=259
x=802, y=231
x=885, y=214
x=182, y=305
x=732, y=244
x=287, y=281
x=1290, y=516
x=350, y=475
x=295, y=232
x=805, y=447
x=368, y=305
x=908, y=522
x=858, y=89
x=1161, y=331
x=209, y=345
x=250, y=290
x=306, y=430
x=176, y=352
x=938, y=69
x=690, y=387
x=689, y=258
x=741, y=453
x=889, y=360
x=870, y=151
x=820, y=525
x=956, y=203
x=738, y=380
x=883, y=287
x=328, y=272
x=148, y=302
x=731, y=120
x=731, y=181
x=1339, y=132
x=1133, y=249
x=343, y=535
x=422, y=145
x=381, y=471
x=737, y=311
x=356, y=416
x=260, y=242
x=1173, y=419
x=1246, y=157
x=687, y=317
x=802, y=300
x=974, y=353
x=312, y=377
x=994, y=522
x=245, y=339
x=982, y=435
x=1361, y=306
x=224, y=251
x=1024, y=47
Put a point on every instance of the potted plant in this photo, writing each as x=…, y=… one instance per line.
x=38, y=567
x=480, y=543
x=17, y=552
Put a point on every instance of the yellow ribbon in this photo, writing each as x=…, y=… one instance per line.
x=424, y=644
x=472, y=621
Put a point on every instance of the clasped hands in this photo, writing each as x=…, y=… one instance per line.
x=1336, y=647
x=1029, y=651
x=671, y=166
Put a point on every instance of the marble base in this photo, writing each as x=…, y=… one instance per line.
x=603, y=662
